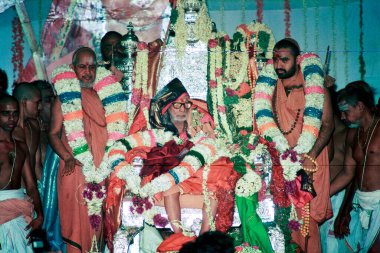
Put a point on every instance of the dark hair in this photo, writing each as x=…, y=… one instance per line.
x=358, y=91
x=108, y=35
x=3, y=81
x=25, y=90
x=42, y=84
x=80, y=51
x=210, y=242
x=6, y=98
x=288, y=43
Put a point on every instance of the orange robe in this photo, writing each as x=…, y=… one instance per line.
x=76, y=230
x=320, y=207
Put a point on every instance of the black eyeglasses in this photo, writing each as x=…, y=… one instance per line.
x=178, y=105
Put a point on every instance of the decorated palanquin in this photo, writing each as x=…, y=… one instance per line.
x=225, y=72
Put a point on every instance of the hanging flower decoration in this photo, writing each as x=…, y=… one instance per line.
x=94, y=194
x=311, y=68
x=17, y=48
x=259, y=12
x=114, y=102
x=287, y=18
x=246, y=248
x=361, y=58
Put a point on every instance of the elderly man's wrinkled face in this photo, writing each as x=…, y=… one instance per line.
x=351, y=115
x=284, y=63
x=179, y=110
x=85, y=68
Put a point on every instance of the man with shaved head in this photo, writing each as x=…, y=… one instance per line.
x=28, y=129
x=77, y=232
x=16, y=209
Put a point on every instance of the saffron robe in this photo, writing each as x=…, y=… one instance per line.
x=76, y=230
x=286, y=108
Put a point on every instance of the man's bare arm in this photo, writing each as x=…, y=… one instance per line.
x=327, y=127
x=346, y=175
x=55, y=139
x=31, y=189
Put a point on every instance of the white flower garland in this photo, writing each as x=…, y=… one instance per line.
x=68, y=89
x=311, y=67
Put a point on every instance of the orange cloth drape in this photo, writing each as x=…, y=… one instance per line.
x=320, y=206
x=75, y=226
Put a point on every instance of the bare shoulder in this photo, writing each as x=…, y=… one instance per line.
x=18, y=134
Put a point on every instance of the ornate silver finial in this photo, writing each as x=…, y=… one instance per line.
x=192, y=5
x=129, y=43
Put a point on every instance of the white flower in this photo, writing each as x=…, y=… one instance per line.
x=248, y=184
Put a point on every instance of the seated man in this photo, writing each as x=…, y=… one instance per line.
x=16, y=209
x=172, y=110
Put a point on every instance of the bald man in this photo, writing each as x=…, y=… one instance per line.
x=76, y=229
x=16, y=209
x=28, y=129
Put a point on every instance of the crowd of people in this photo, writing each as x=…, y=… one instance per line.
x=54, y=144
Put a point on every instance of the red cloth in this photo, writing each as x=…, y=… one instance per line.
x=75, y=225
x=162, y=159
x=174, y=242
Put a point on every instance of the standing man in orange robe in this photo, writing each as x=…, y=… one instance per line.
x=75, y=225
x=288, y=109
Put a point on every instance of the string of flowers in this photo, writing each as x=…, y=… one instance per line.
x=246, y=248
x=222, y=24
x=316, y=25
x=220, y=88
x=333, y=32
x=259, y=12
x=304, y=11
x=198, y=156
x=17, y=48
x=140, y=96
x=361, y=58
x=311, y=68
x=114, y=102
x=242, y=11
x=345, y=32
x=206, y=197
x=287, y=18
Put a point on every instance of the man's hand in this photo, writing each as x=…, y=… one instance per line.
x=33, y=225
x=70, y=164
x=342, y=225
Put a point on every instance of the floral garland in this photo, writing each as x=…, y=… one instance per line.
x=314, y=94
x=246, y=248
x=140, y=91
x=287, y=18
x=265, y=37
x=305, y=26
x=203, y=153
x=259, y=12
x=361, y=57
x=114, y=102
x=17, y=48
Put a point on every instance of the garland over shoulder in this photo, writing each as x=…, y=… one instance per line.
x=114, y=102
x=311, y=68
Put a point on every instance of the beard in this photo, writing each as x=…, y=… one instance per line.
x=179, y=118
x=284, y=74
